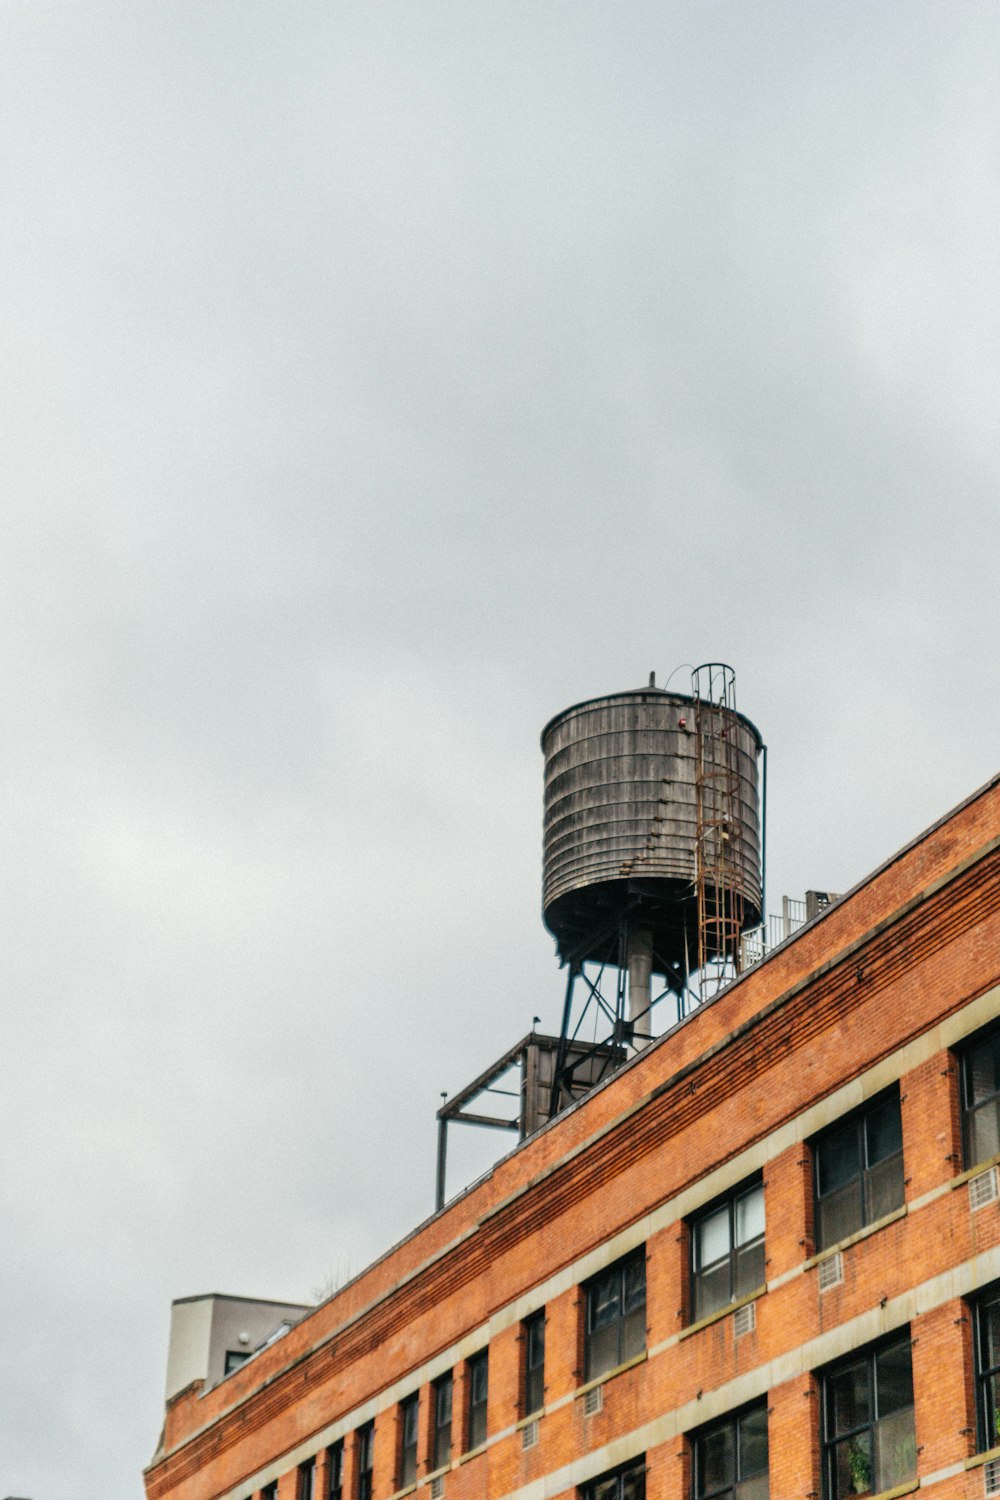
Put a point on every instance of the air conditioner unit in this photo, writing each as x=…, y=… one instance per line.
x=831, y=1271
x=745, y=1319
x=983, y=1189
x=593, y=1401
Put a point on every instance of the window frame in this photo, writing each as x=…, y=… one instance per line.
x=831, y=1440
x=364, y=1451
x=443, y=1383
x=729, y=1201
x=477, y=1428
x=595, y=1489
x=731, y=1421
x=630, y=1316
x=858, y=1121
x=969, y=1109
x=335, y=1470
x=306, y=1480
x=987, y=1405
x=533, y=1372
x=408, y=1451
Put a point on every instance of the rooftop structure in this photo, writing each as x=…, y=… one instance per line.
x=759, y=1257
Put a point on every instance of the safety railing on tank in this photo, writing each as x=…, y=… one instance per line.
x=759, y=941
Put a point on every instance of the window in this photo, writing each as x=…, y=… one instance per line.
x=335, y=1471
x=981, y=1100
x=479, y=1377
x=409, y=1421
x=235, y=1358
x=859, y=1170
x=307, y=1476
x=365, y=1451
x=628, y=1483
x=730, y=1457
x=616, y=1315
x=442, y=1421
x=987, y=1323
x=534, y=1363
x=727, y=1251
x=270, y=1491
x=869, y=1440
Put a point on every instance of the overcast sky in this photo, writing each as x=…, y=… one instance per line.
x=378, y=380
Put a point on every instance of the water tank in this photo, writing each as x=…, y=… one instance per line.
x=621, y=821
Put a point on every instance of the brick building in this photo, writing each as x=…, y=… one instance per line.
x=762, y=1259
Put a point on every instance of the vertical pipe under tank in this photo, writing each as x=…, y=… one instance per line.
x=640, y=993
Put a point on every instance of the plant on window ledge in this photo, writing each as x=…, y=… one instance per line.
x=860, y=1466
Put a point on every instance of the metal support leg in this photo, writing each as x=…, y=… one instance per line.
x=442, y=1161
x=563, y=1041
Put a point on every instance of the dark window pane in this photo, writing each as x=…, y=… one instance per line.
x=752, y=1429
x=853, y=1470
x=716, y=1459
x=411, y=1413
x=635, y=1284
x=535, y=1330
x=624, y=1484
x=728, y=1252
x=988, y=1372
x=478, y=1382
x=711, y=1291
x=616, y=1316
x=870, y=1434
x=883, y=1130
x=534, y=1371
x=895, y=1450
x=883, y=1189
x=859, y=1172
x=839, y=1215
x=991, y=1414
x=634, y=1484
x=730, y=1458
x=633, y=1340
x=604, y=1301
x=981, y=1073
x=982, y=1133
x=602, y=1351
x=442, y=1422
x=408, y=1454
x=365, y=1452
x=335, y=1470
x=893, y=1379
x=477, y=1426
x=837, y=1159
x=990, y=1325
x=749, y=1269
x=849, y=1398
